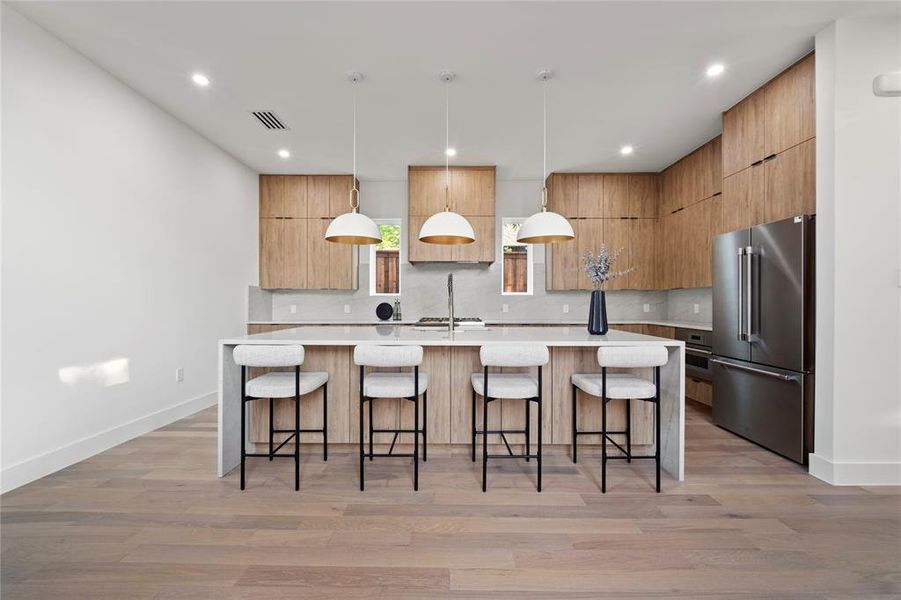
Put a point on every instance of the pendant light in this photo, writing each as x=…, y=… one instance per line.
x=354, y=227
x=545, y=227
x=447, y=227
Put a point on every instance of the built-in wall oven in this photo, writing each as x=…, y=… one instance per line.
x=698, y=348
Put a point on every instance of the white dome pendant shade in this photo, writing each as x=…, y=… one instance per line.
x=447, y=228
x=545, y=227
x=353, y=227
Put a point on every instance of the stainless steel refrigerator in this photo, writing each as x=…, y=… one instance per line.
x=763, y=335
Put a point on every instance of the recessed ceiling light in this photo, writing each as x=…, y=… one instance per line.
x=200, y=79
x=451, y=152
x=626, y=150
x=715, y=69
x=284, y=153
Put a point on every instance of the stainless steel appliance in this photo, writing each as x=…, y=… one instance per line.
x=697, y=352
x=763, y=335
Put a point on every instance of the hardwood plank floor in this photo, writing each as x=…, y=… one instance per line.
x=149, y=519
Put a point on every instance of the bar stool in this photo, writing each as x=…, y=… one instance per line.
x=397, y=384
x=280, y=384
x=507, y=386
x=621, y=386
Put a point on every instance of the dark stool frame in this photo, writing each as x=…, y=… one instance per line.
x=605, y=434
x=416, y=431
x=295, y=433
x=486, y=400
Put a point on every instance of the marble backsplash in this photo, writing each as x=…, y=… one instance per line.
x=476, y=293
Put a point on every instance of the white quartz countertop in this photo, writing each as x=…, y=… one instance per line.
x=338, y=335
x=489, y=322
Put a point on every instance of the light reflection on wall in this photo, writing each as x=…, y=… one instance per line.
x=105, y=374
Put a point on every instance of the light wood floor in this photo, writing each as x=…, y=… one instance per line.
x=149, y=519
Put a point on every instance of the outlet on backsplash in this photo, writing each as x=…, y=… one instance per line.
x=505, y=308
x=566, y=309
x=347, y=309
x=647, y=307
x=293, y=309
x=697, y=308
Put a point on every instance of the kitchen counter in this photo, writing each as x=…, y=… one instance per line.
x=498, y=322
x=449, y=360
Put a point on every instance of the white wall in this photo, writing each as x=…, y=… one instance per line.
x=125, y=235
x=858, y=395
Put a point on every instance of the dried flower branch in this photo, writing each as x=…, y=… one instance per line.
x=598, y=266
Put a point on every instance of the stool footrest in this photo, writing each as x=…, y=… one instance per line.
x=397, y=431
x=500, y=431
x=630, y=457
x=512, y=456
x=266, y=455
x=301, y=430
x=386, y=455
x=600, y=432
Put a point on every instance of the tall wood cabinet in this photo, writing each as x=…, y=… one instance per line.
x=616, y=209
x=769, y=151
x=470, y=192
x=295, y=212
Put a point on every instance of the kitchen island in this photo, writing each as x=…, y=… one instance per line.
x=449, y=360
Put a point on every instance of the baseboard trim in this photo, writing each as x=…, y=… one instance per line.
x=50, y=462
x=855, y=473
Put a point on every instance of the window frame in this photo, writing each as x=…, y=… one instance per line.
x=372, y=260
x=530, y=259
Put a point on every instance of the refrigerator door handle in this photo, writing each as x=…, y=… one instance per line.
x=740, y=334
x=730, y=365
x=749, y=298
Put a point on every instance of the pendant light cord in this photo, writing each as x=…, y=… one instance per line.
x=446, y=146
x=544, y=146
x=354, y=192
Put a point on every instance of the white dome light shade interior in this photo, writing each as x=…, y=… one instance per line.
x=447, y=228
x=353, y=228
x=545, y=228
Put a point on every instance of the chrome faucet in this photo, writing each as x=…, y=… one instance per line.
x=450, y=303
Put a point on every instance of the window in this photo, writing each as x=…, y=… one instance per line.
x=516, y=269
x=384, y=260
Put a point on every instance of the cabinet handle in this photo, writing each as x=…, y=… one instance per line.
x=757, y=162
x=770, y=157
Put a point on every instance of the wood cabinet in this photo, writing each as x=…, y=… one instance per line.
x=692, y=178
x=790, y=182
x=699, y=390
x=685, y=240
x=604, y=195
x=742, y=200
x=295, y=212
x=470, y=192
x=743, y=131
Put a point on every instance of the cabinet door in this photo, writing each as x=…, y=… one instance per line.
x=318, y=255
x=339, y=187
x=742, y=199
x=616, y=197
x=791, y=182
x=636, y=238
x=272, y=234
x=591, y=195
x=272, y=196
x=317, y=196
x=644, y=195
x=644, y=240
x=422, y=252
x=712, y=175
x=426, y=190
x=789, y=107
x=589, y=236
x=342, y=259
x=294, y=251
x=562, y=263
x=472, y=191
x=295, y=198
x=743, y=134
x=696, y=245
x=483, y=249
x=563, y=194
x=661, y=331
x=617, y=236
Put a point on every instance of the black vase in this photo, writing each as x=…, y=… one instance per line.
x=597, y=313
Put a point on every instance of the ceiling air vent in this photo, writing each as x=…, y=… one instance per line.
x=268, y=119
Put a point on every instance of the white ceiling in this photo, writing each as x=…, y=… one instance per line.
x=624, y=73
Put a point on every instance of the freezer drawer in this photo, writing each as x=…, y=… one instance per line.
x=770, y=407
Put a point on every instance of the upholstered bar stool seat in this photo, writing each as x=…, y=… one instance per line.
x=280, y=384
x=506, y=385
x=404, y=385
x=620, y=386
x=394, y=385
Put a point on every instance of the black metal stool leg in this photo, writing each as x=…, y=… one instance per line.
x=296, y=429
x=361, y=429
x=325, y=421
x=528, y=425
x=485, y=432
x=604, y=430
x=370, y=429
x=416, y=444
x=473, y=424
x=540, y=428
x=628, y=430
x=243, y=426
x=657, y=423
x=575, y=432
x=271, y=428
x=425, y=426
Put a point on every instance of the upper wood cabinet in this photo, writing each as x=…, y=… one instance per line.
x=774, y=118
x=604, y=195
x=741, y=204
x=295, y=211
x=470, y=190
x=693, y=178
x=790, y=182
x=636, y=238
x=471, y=193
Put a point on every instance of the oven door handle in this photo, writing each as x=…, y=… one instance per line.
x=698, y=351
